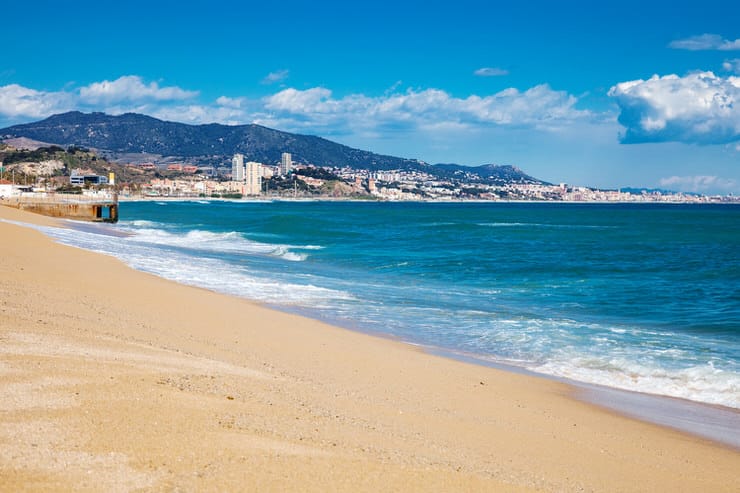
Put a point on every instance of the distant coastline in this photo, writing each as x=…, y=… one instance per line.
x=123, y=198
x=141, y=155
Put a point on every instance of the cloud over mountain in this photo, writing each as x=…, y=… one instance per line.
x=539, y=106
x=131, y=88
x=699, y=108
x=312, y=110
x=127, y=93
x=18, y=101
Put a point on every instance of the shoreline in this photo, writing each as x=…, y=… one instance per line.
x=294, y=397
x=718, y=423
x=701, y=419
x=258, y=199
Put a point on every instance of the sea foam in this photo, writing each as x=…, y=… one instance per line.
x=143, y=253
x=226, y=242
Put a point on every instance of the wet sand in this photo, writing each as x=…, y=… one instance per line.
x=115, y=380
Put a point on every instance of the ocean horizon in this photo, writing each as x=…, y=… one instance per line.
x=638, y=297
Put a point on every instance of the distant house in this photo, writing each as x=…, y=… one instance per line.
x=174, y=167
x=190, y=169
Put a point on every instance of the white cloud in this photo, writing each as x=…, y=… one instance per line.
x=706, y=42
x=197, y=114
x=697, y=108
x=539, y=107
x=277, y=76
x=315, y=100
x=698, y=184
x=131, y=88
x=18, y=101
x=490, y=72
x=231, y=102
x=127, y=93
x=432, y=112
x=732, y=65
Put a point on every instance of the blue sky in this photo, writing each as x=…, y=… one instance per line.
x=624, y=94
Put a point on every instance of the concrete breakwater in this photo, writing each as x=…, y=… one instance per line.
x=98, y=208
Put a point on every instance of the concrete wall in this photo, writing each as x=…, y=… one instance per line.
x=87, y=211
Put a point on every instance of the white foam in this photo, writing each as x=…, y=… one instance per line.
x=213, y=274
x=507, y=225
x=139, y=223
x=219, y=276
x=617, y=357
x=437, y=224
x=542, y=225
x=226, y=242
x=288, y=255
x=702, y=383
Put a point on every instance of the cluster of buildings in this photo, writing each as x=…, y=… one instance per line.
x=414, y=188
x=246, y=177
x=252, y=179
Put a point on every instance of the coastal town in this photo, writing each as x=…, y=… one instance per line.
x=287, y=179
x=80, y=171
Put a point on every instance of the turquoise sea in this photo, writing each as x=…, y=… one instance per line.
x=636, y=297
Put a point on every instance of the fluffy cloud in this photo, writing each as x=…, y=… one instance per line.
x=698, y=184
x=197, y=114
x=274, y=77
x=315, y=100
x=18, y=101
x=698, y=108
x=539, y=107
x=315, y=110
x=490, y=72
x=127, y=93
x=131, y=88
x=706, y=42
x=231, y=102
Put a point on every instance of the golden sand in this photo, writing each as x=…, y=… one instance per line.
x=115, y=380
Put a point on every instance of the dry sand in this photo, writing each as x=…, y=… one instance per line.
x=114, y=380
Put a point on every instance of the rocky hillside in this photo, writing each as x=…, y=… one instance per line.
x=134, y=133
x=124, y=137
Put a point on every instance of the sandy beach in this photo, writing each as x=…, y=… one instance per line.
x=115, y=380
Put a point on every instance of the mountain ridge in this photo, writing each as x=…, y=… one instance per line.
x=214, y=143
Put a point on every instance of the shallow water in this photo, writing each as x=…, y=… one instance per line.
x=636, y=297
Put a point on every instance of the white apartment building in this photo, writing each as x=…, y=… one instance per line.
x=237, y=167
x=286, y=163
x=252, y=178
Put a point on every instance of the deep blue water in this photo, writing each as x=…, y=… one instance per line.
x=640, y=297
